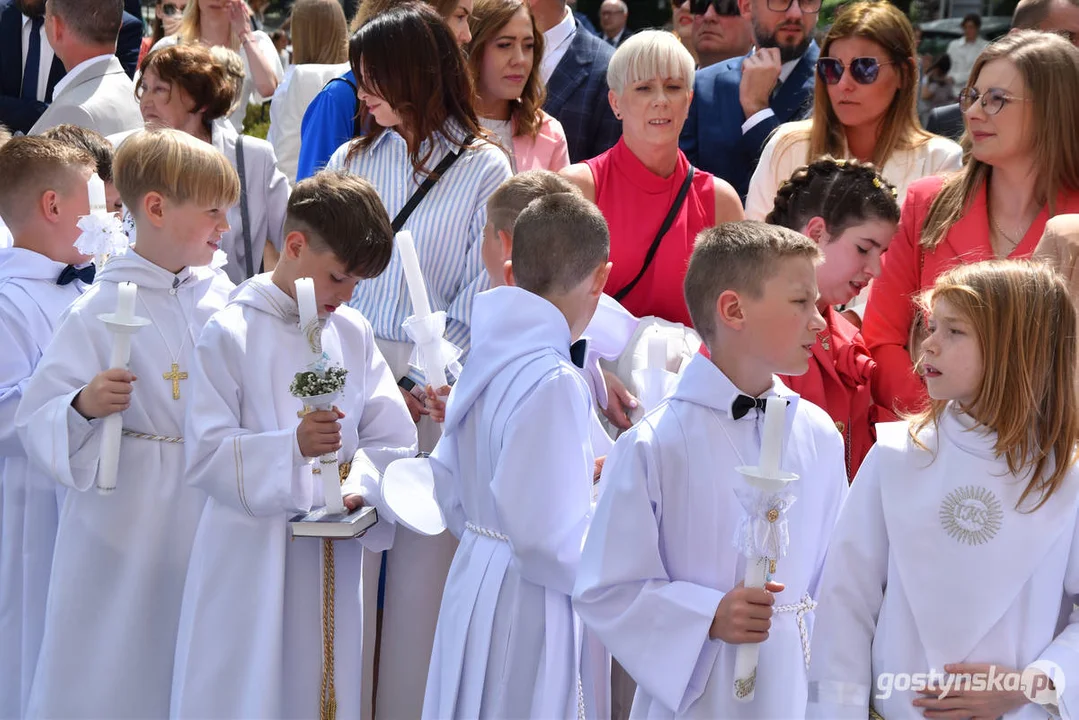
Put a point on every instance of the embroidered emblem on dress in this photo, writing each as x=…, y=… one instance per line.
x=971, y=515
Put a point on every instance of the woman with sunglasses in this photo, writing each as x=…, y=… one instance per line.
x=1020, y=107
x=504, y=57
x=865, y=107
x=167, y=16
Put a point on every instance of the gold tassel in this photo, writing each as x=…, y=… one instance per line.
x=328, y=701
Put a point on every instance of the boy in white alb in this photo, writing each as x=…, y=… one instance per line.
x=514, y=471
x=251, y=635
x=121, y=558
x=660, y=578
x=39, y=277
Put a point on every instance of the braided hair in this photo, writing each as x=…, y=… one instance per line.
x=843, y=193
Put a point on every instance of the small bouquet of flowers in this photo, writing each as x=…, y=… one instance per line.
x=319, y=388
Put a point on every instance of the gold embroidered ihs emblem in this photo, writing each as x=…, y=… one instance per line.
x=313, y=333
x=971, y=515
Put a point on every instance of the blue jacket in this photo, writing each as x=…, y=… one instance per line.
x=577, y=97
x=712, y=138
x=328, y=123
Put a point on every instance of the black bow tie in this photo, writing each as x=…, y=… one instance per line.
x=744, y=403
x=578, y=352
x=71, y=273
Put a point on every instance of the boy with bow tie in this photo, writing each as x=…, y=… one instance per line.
x=44, y=195
x=660, y=577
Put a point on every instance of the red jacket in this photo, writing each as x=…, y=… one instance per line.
x=838, y=381
x=908, y=269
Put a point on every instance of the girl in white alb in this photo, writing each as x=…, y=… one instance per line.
x=951, y=580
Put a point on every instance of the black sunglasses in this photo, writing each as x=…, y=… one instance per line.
x=864, y=70
x=723, y=8
x=169, y=9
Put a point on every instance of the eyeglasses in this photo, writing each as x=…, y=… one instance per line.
x=723, y=8
x=807, y=6
x=992, y=100
x=864, y=70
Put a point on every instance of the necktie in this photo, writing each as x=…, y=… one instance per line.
x=744, y=403
x=33, y=61
x=71, y=273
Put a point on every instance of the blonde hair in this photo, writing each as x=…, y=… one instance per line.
x=1025, y=325
x=884, y=24
x=31, y=166
x=233, y=65
x=514, y=195
x=371, y=8
x=1049, y=65
x=191, y=27
x=176, y=165
x=646, y=55
x=319, y=32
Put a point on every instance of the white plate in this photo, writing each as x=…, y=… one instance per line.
x=408, y=488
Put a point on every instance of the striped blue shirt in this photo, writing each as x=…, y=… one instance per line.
x=447, y=227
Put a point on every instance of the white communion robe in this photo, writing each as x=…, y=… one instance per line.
x=250, y=639
x=31, y=304
x=514, y=474
x=660, y=554
x=120, y=559
x=931, y=564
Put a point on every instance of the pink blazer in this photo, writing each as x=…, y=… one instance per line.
x=547, y=151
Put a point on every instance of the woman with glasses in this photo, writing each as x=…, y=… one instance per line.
x=864, y=107
x=167, y=16
x=504, y=57
x=1020, y=107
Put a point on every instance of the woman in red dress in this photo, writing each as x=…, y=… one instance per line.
x=851, y=212
x=1020, y=107
x=636, y=183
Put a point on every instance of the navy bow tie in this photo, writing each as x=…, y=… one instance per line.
x=744, y=403
x=578, y=352
x=71, y=273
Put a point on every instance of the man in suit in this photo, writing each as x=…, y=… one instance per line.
x=29, y=69
x=738, y=103
x=613, y=16
x=1059, y=16
x=574, y=66
x=719, y=31
x=96, y=92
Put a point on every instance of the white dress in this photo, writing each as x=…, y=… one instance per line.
x=660, y=556
x=253, y=599
x=932, y=564
x=31, y=304
x=120, y=559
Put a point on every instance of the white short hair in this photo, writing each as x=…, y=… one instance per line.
x=646, y=55
x=621, y=5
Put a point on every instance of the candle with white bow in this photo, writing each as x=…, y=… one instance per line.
x=102, y=231
x=762, y=532
x=121, y=324
x=426, y=328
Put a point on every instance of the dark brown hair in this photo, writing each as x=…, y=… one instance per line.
x=558, y=241
x=342, y=213
x=843, y=193
x=193, y=69
x=408, y=57
x=91, y=141
x=488, y=18
x=32, y=165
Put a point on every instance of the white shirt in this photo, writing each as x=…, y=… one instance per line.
x=556, y=43
x=963, y=54
x=761, y=115
x=73, y=72
x=45, y=59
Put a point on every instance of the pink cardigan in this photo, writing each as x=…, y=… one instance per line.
x=547, y=151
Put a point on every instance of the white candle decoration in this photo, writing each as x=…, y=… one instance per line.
x=748, y=654
x=417, y=288
x=109, y=462
x=95, y=186
x=772, y=436
x=329, y=469
x=657, y=351
x=309, y=325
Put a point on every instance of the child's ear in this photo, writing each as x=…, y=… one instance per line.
x=507, y=274
x=50, y=206
x=599, y=279
x=507, y=244
x=295, y=242
x=817, y=230
x=153, y=209
x=729, y=310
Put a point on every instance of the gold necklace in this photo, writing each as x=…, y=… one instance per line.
x=996, y=226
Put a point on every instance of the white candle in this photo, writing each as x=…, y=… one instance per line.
x=775, y=418
x=96, y=188
x=748, y=654
x=305, y=301
x=657, y=351
x=417, y=289
x=109, y=461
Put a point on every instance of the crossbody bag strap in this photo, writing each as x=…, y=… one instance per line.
x=428, y=183
x=676, y=207
x=357, y=126
x=245, y=215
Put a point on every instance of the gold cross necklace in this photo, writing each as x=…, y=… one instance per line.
x=173, y=374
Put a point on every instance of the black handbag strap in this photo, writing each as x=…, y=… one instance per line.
x=676, y=206
x=428, y=183
x=357, y=127
x=245, y=216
